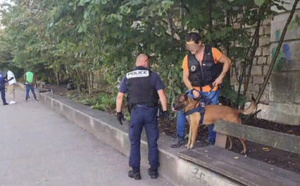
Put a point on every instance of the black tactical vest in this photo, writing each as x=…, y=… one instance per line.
x=207, y=73
x=140, y=90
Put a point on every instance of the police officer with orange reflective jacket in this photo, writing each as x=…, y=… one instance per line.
x=144, y=88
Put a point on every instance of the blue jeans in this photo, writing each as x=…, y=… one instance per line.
x=28, y=88
x=181, y=117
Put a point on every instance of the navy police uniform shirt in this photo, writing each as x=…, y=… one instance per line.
x=155, y=80
x=2, y=81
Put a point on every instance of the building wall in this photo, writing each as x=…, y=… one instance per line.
x=281, y=99
x=284, y=89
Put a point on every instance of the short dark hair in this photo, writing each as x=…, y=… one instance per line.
x=193, y=36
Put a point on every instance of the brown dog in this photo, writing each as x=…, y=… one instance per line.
x=212, y=114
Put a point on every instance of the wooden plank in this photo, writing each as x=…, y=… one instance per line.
x=244, y=170
x=221, y=140
x=253, y=166
x=211, y=164
x=266, y=137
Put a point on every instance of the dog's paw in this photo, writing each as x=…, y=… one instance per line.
x=190, y=146
x=244, y=152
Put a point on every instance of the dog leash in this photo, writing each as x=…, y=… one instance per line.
x=210, y=99
x=206, y=96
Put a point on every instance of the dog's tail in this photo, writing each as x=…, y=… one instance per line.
x=250, y=109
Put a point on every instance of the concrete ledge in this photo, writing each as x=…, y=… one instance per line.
x=105, y=127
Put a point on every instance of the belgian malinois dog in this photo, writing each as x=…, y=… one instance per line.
x=212, y=114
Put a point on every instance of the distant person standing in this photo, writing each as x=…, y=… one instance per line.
x=11, y=86
x=3, y=80
x=29, y=81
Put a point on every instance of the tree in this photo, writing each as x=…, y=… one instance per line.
x=75, y=38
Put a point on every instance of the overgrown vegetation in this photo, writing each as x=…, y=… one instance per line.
x=73, y=39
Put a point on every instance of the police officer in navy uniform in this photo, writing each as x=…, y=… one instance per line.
x=3, y=80
x=144, y=88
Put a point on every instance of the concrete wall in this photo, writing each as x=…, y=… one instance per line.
x=281, y=99
x=283, y=105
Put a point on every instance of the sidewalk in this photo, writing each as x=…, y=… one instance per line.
x=40, y=147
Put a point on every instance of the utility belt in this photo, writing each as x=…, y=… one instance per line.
x=142, y=105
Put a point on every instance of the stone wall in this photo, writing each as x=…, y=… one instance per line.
x=281, y=99
x=284, y=90
x=261, y=63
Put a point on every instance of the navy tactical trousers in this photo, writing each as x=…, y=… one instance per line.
x=3, y=95
x=143, y=116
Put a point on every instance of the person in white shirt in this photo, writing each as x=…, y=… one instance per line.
x=11, y=86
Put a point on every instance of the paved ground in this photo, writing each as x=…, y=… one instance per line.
x=39, y=147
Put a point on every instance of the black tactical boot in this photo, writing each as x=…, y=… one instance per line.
x=135, y=173
x=210, y=142
x=180, y=141
x=153, y=173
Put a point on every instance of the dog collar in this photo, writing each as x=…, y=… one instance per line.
x=196, y=109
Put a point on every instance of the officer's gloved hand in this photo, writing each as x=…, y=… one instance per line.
x=165, y=114
x=120, y=117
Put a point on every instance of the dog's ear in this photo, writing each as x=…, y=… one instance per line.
x=182, y=97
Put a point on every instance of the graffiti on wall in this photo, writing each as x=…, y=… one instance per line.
x=200, y=176
x=277, y=35
x=284, y=59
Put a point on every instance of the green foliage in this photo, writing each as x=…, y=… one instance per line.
x=102, y=101
x=77, y=37
x=259, y=2
x=228, y=92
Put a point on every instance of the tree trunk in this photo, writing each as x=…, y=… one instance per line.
x=253, y=51
x=57, y=78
